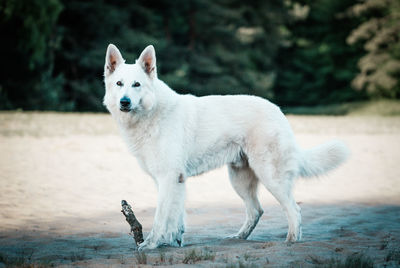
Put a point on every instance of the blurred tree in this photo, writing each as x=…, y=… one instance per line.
x=380, y=32
x=230, y=46
x=87, y=28
x=55, y=59
x=315, y=65
x=28, y=42
x=203, y=46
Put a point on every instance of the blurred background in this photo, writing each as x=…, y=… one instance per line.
x=63, y=175
x=295, y=53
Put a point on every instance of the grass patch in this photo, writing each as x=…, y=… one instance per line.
x=97, y=247
x=170, y=259
x=378, y=107
x=12, y=261
x=162, y=257
x=122, y=260
x=356, y=260
x=247, y=257
x=193, y=256
x=76, y=256
x=24, y=260
x=316, y=260
x=241, y=264
x=141, y=257
x=164, y=260
x=393, y=255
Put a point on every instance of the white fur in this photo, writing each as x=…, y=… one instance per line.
x=178, y=136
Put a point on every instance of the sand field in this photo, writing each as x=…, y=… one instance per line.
x=63, y=176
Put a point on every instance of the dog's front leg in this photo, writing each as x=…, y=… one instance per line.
x=168, y=226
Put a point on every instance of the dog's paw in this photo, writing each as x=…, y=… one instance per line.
x=179, y=236
x=233, y=236
x=174, y=239
x=293, y=236
x=147, y=245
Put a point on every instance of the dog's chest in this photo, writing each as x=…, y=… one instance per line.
x=155, y=159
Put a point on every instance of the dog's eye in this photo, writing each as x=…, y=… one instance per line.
x=136, y=84
x=119, y=83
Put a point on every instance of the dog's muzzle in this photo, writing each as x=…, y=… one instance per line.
x=125, y=104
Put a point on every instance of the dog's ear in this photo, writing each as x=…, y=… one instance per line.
x=148, y=61
x=113, y=59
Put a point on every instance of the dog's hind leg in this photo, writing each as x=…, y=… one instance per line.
x=280, y=184
x=245, y=183
x=283, y=193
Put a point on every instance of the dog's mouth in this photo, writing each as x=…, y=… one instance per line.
x=125, y=109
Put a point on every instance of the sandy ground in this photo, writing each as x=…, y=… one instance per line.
x=62, y=177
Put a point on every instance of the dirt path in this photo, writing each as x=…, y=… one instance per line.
x=62, y=177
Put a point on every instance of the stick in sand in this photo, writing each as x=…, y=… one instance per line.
x=136, y=227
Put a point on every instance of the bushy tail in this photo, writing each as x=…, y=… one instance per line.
x=322, y=158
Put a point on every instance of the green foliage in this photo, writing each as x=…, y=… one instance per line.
x=380, y=34
x=315, y=65
x=203, y=46
x=292, y=52
x=31, y=23
x=28, y=44
x=358, y=108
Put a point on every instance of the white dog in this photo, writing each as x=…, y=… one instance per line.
x=178, y=136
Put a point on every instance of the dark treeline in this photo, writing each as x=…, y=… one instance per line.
x=303, y=52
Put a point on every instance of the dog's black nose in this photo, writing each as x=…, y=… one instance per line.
x=125, y=101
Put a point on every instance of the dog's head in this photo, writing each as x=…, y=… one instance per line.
x=129, y=87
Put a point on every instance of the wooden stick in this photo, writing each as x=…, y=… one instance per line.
x=136, y=227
